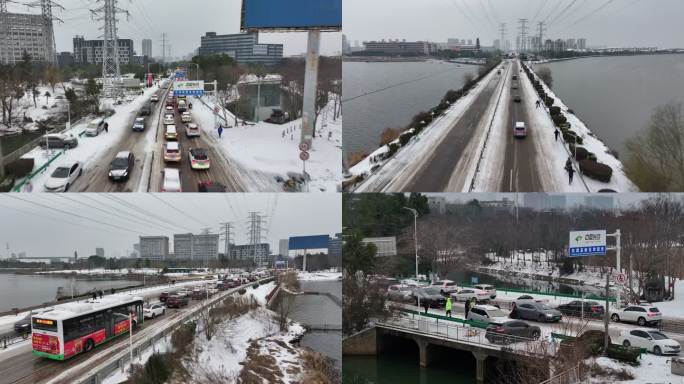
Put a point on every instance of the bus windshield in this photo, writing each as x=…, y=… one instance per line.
x=44, y=324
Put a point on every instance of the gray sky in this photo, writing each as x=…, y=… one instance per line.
x=619, y=23
x=41, y=231
x=183, y=21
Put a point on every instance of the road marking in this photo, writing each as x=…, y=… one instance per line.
x=510, y=181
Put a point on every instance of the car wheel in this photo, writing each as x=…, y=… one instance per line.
x=657, y=350
x=89, y=345
x=615, y=318
x=541, y=318
x=641, y=321
x=154, y=315
x=626, y=343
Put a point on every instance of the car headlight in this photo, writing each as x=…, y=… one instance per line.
x=110, y=174
x=549, y=315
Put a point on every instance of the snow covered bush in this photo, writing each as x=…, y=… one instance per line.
x=555, y=110
x=595, y=170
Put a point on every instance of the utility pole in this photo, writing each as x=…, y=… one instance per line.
x=605, y=320
x=310, y=87
x=415, y=235
x=111, y=71
x=256, y=221
x=523, y=34
x=227, y=228
x=541, y=27
x=502, y=31
x=163, y=44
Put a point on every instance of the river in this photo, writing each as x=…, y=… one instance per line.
x=367, y=116
x=616, y=95
x=19, y=291
x=320, y=310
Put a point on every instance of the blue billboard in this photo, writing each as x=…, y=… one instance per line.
x=291, y=15
x=308, y=242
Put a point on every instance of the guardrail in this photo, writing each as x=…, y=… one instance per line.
x=6, y=341
x=26, y=148
x=118, y=362
x=570, y=376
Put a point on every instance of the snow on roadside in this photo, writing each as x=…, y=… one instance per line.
x=161, y=346
x=555, y=157
x=319, y=276
x=262, y=152
x=653, y=369
x=89, y=149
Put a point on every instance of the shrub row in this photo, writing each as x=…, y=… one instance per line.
x=595, y=170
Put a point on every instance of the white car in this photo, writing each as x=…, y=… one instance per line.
x=63, y=176
x=400, y=292
x=464, y=294
x=169, y=108
x=487, y=288
x=654, y=341
x=446, y=286
x=487, y=314
x=168, y=119
x=154, y=310
x=640, y=314
x=171, y=180
x=192, y=130
x=95, y=127
x=186, y=117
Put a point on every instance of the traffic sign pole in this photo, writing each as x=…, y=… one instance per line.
x=310, y=86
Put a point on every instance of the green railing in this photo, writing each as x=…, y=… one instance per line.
x=472, y=323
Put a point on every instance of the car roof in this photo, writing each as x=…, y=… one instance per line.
x=192, y=125
x=173, y=145
x=123, y=154
x=486, y=307
x=519, y=124
x=170, y=127
x=171, y=172
x=67, y=164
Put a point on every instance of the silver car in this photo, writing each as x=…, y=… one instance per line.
x=536, y=311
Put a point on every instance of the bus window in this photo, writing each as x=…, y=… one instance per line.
x=85, y=326
x=99, y=321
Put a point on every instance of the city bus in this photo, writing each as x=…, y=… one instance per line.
x=77, y=327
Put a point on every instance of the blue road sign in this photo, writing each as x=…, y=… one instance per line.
x=180, y=75
x=598, y=250
x=291, y=15
x=188, y=92
x=474, y=280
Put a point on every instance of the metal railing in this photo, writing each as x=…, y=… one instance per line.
x=570, y=376
x=7, y=341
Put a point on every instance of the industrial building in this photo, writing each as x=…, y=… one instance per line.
x=91, y=51
x=397, y=47
x=243, y=47
x=154, y=247
x=187, y=246
x=30, y=33
x=147, y=47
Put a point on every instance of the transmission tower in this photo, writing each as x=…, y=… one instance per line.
x=502, y=30
x=3, y=6
x=48, y=18
x=256, y=228
x=542, y=28
x=523, y=34
x=227, y=229
x=111, y=72
x=163, y=44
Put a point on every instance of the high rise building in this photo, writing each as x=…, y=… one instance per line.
x=154, y=247
x=243, y=47
x=182, y=246
x=147, y=47
x=205, y=247
x=91, y=51
x=28, y=33
x=346, y=47
x=99, y=252
x=582, y=43
x=284, y=247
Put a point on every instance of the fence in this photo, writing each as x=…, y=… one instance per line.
x=570, y=376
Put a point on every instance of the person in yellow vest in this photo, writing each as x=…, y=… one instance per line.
x=449, y=305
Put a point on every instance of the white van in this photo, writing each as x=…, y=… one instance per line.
x=95, y=127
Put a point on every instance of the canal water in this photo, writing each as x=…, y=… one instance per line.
x=367, y=116
x=615, y=96
x=398, y=369
x=320, y=310
x=18, y=291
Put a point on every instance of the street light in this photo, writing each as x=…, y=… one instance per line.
x=415, y=235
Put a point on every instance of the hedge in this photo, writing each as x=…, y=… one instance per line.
x=20, y=168
x=555, y=110
x=558, y=119
x=580, y=153
x=405, y=137
x=622, y=353
x=549, y=101
x=595, y=170
x=393, y=147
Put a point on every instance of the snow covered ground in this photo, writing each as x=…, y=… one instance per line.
x=265, y=152
x=42, y=110
x=319, y=276
x=554, y=157
x=652, y=370
x=89, y=148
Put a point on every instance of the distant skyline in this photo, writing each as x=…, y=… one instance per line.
x=34, y=224
x=613, y=23
x=184, y=23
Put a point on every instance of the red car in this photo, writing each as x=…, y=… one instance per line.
x=175, y=301
x=163, y=296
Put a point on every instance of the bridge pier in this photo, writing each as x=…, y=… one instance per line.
x=423, y=351
x=480, y=359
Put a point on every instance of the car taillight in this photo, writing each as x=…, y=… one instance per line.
x=499, y=329
x=595, y=308
x=653, y=314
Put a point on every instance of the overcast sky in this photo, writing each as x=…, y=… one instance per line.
x=114, y=221
x=602, y=22
x=184, y=21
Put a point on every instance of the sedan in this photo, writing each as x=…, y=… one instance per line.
x=168, y=118
x=63, y=177
x=399, y=292
x=172, y=152
x=640, y=314
x=171, y=133
x=575, y=308
x=430, y=295
x=139, y=124
x=654, y=341
x=154, y=310
x=512, y=331
x=122, y=166
x=171, y=180
x=199, y=159
x=154, y=98
x=466, y=294
x=185, y=117
x=192, y=130
x=535, y=311
x=169, y=108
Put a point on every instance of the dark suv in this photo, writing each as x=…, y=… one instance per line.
x=176, y=301
x=163, y=296
x=122, y=166
x=58, y=140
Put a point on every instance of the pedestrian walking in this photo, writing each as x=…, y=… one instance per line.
x=467, y=308
x=538, y=103
x=571, y=172
x=426, y=305
x=220, y=130
x=449, y=305
x=101, y=293
x=514, y=312
x=556, y=133
x=106, y=127
x=94, y=295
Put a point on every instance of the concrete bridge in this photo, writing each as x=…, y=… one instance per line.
x=429, y=334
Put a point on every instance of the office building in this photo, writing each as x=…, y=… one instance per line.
x=437, y=204
x=205, y=247
x=243, y=47
x=99, y=252
x=28, y=33
x=283, y=247
x=147, y=47
x=154, y=247
x=385, y=246
x=396, y=47
x=182, y=246
x=581, y=43
x=65, y=59
x=91, y=51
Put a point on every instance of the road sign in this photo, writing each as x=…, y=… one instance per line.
x=587, y=243
x=621, y=278
x=304, y=147
x=188, y=88
x=180, y=75
x=474, y=280
x=304, y=155
x=298, y=15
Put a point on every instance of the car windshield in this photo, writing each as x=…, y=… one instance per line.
x=140, y=120
x=61, y=172
x=431, y=291
x=120, y=163
x=199, y=155
x=658, y=336
x=543, y=307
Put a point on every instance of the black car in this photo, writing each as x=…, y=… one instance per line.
x=146, y=108
x=211, y=186
x=574, y=308
x=122, y=166
x=431, y=295
x=23, y=325
x=512, y=331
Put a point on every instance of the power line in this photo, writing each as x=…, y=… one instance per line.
x=563, y=11
x=135, y=208
x=176, y=209
x=597, y=10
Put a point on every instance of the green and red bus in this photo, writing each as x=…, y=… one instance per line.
x=77, y=327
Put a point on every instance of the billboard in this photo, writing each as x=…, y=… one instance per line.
x=587, y=243
x=302, y=15
x=309, y=242
x=188, y=88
